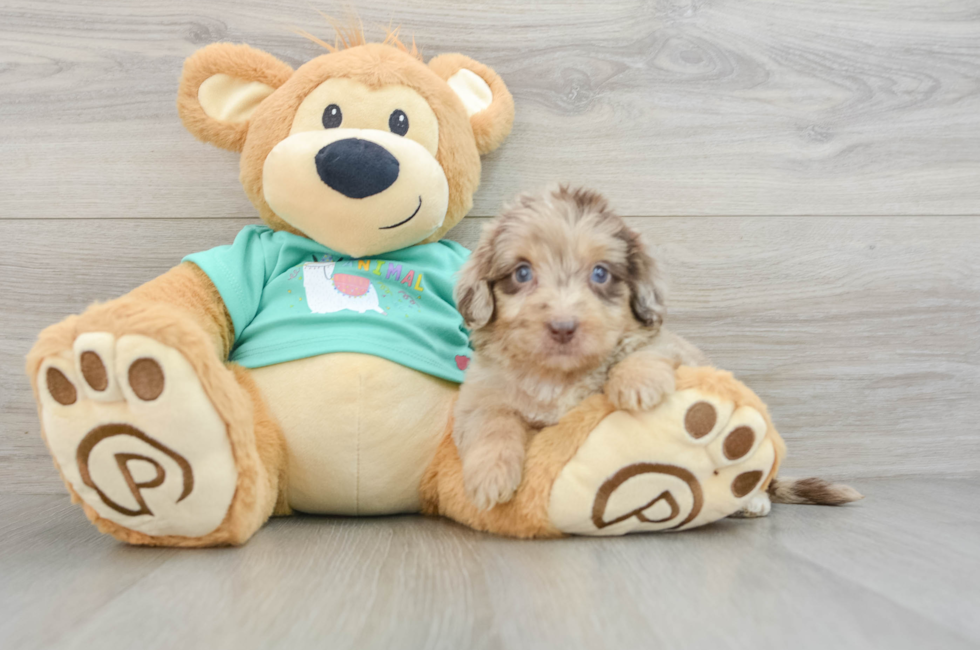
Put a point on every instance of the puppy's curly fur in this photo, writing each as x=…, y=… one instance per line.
x=563, y=301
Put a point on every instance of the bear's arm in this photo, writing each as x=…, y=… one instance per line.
x=189, y=289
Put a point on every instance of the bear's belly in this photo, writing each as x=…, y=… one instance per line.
x=360, y=430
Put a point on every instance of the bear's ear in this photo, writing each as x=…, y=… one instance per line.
x=221, y=86
x=487, y=101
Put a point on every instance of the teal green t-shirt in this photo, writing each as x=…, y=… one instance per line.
x=291, y=298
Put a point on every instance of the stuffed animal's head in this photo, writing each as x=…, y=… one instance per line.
x=364, y=150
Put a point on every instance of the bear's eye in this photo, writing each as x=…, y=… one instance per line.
x=332, y=117
x=398, y=122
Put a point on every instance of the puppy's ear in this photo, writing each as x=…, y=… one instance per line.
x=473, y=293
x=646, y=285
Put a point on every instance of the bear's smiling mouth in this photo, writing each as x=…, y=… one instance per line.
x=402, y=223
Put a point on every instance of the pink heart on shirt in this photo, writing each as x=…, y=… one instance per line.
x=462, y=362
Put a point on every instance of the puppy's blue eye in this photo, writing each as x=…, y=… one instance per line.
x=523, y=273
x=600, y=274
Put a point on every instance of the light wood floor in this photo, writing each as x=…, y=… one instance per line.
x=897, y=570
x=809, y=175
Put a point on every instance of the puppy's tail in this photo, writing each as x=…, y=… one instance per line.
x=815, y=491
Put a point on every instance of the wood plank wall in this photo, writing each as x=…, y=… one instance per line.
x=809, y=173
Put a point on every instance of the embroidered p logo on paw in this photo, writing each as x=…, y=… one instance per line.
x=184, y=474
x=134, y=433
x=616, y=499
x=694, y=459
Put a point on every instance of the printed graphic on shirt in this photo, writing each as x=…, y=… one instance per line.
x=289, y=298
x=345, y=284
x=327, y=291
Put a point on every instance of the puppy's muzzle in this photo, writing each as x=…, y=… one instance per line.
x=562, y=331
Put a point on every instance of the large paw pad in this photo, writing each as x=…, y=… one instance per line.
x=136, y=436
x=692, y=460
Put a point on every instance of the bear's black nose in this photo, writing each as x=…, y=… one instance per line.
x=356, y=168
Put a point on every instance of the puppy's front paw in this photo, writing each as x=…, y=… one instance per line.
x=639, y=389
x=492, y=477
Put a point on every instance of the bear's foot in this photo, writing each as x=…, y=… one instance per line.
x=696, y=458
x=137, y=438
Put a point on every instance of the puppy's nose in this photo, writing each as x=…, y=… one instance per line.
x=562, y=330
x=356, y=168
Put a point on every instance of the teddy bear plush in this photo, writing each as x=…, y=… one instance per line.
x=312, y=364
